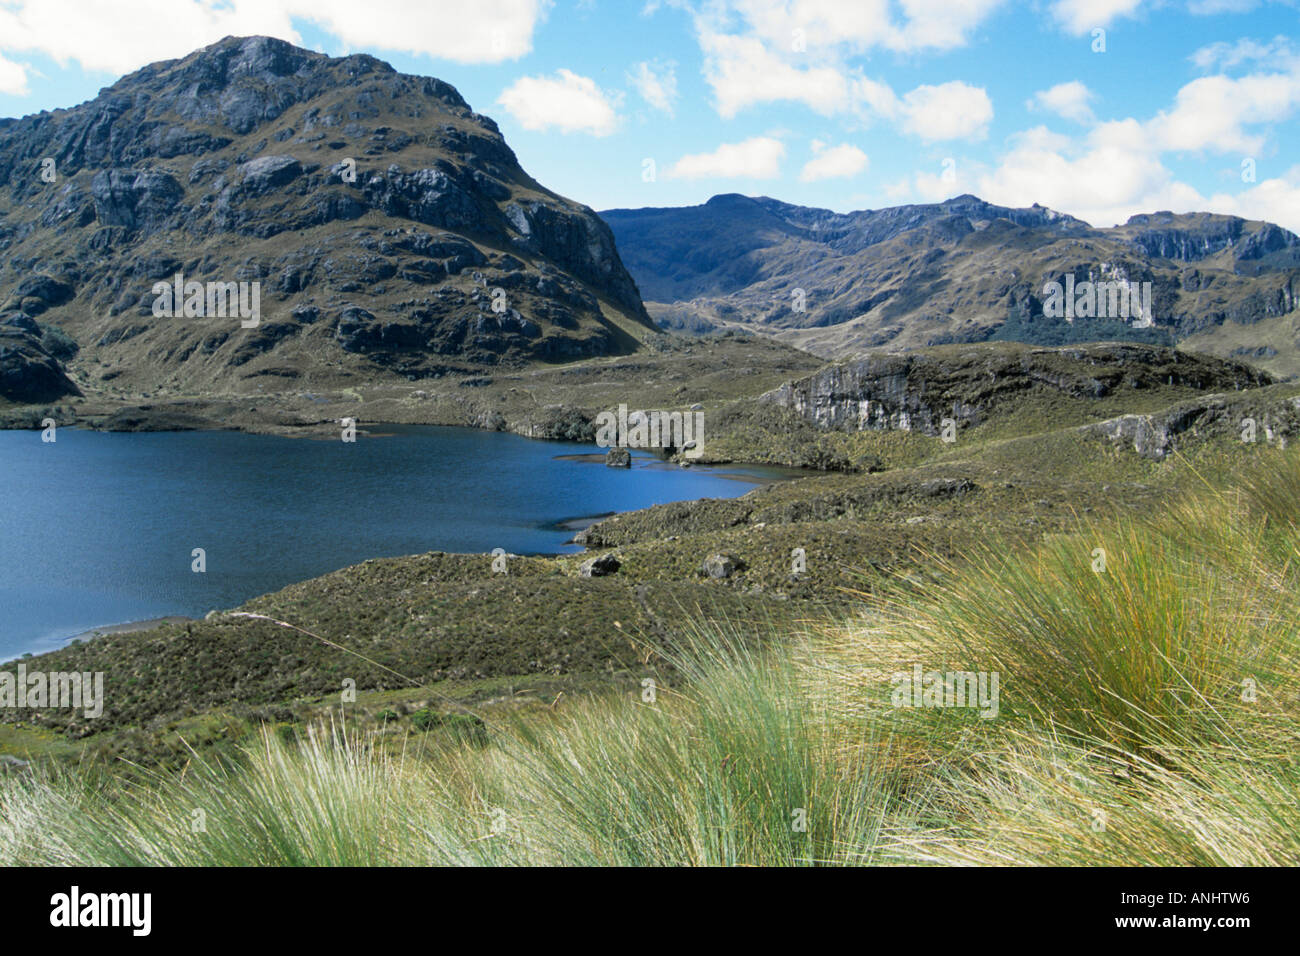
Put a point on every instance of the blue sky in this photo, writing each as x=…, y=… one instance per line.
x=847, y=104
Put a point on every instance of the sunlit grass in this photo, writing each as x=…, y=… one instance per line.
x=1147, y=716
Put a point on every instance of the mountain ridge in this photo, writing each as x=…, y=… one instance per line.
x=958, y=271
x=391, y=228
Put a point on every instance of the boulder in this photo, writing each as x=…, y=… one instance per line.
x=618, y=458
x=28, y=373
x=142, y=200
x=598, y=567
x=267, y=172
x=37, y=293
x=721, y=565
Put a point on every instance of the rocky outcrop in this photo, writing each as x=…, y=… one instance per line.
x=1196, y=236
x=37, y=293
x=599, y=566
x=145, y=200
x=1156, y=436
x=915, y=392
x=29, y=373
x=721, y=565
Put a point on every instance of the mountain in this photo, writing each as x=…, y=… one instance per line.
x=960, y=271
x=390, y=229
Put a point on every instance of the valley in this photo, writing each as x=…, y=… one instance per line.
x=315, y=409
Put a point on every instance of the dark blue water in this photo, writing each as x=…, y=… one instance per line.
x=98, y=529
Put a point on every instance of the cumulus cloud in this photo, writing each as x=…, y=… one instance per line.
x=1274, y=200
x=13, y=78
x=820, y=26
x=1083, y=16
x=1104, y=180
x=743, y=71
x=768, y=51
x=1117, y=168
x=464, y=31
x=833, y=162
x=566, y=101
x=1069, y=100
x=1107, y=180
x=1211, y=112
x=657, y=85
x=952, y=110
x=756, y=158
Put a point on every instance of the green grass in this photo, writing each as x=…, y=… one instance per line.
x=1148, y=715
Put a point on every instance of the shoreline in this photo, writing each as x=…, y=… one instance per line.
x=129, y=627
x=574, y=524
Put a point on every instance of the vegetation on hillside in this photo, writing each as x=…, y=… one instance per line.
x=1147, y=715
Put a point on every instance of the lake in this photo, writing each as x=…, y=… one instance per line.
x=99, y=528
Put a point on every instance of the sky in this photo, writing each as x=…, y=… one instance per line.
x=1097, y=108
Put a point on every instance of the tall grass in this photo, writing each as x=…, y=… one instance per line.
x=1148, y=716
x=738, y=769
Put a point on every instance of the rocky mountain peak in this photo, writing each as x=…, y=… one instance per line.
x=390, y=227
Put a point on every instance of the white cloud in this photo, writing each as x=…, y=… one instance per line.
x=821, y=26
x=657, y=85
x=879, y=98
x=756, y=158
x=743, y=71
x=464, y=31
x=941, y=24
x=92, y=34
x=1116, y=169
x=1083, y=16
x=1225, y=56
x=952, y=110
x=1211, y=112
x=567, y=102
x=950, y=177
x=1108, y=180
x=1069, y=100
x=13, y=78
x=936, y=187
x=1273, y=200
x=834, y=162
x=765, y=51
x=1104, y=181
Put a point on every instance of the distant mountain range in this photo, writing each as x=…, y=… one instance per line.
x=390, y=228
x=960, y=271
x=387, y=234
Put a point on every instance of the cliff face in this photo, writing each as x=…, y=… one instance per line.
x=390, y=227
x=968, y=383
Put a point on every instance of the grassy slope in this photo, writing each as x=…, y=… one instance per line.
x=670, y=371
x=447, y=626
x=1147, y=717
